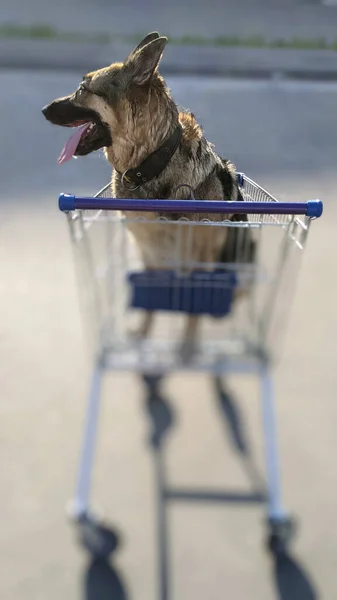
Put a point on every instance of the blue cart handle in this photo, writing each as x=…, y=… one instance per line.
x=312, y=208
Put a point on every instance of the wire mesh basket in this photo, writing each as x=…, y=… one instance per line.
x=241, y=300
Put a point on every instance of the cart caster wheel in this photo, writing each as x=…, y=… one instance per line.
x=97, y=539
x=280, y=536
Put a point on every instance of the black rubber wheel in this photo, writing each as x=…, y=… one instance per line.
x=95, y=538
x=280, y=535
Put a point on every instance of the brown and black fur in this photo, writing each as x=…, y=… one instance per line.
x=134, y=114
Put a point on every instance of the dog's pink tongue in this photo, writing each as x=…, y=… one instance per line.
x=69, y=148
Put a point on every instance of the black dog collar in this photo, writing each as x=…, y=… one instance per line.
x=153, y=164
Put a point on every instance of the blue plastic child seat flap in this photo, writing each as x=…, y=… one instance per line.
x=197, y=293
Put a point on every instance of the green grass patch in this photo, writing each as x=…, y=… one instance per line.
x=47, y=32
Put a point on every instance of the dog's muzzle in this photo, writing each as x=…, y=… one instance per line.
x=64, y=112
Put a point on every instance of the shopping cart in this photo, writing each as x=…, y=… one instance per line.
x=242, y=303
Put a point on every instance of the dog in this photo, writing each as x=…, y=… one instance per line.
x=156, y=152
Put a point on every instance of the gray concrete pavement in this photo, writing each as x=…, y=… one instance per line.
x=177, y=60
x=282, y=134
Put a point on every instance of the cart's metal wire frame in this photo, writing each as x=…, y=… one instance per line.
x=258, y=361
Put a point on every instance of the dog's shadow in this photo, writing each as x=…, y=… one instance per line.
x=103, y=582
x=159, y=410
x=291, y=582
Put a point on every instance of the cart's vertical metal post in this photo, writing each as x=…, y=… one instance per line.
x=80, y=505
x=275, y=508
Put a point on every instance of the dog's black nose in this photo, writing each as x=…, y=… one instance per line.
x=45, y=110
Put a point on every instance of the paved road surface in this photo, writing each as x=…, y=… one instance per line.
x=285, y=136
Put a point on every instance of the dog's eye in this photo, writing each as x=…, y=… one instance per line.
x=82, y=88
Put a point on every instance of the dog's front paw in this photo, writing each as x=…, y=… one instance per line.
x=136, y=334
x=142, y=330
x=187, y=351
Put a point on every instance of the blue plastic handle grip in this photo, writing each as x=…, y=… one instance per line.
x=313, y=208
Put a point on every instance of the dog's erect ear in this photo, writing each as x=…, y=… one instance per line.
x=142, y=64
x=149, y=38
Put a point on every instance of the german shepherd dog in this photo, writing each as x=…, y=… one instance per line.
x=156, y=152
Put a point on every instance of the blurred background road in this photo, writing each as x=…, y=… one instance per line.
x=281, y=133
x=270, y=18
